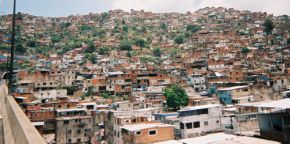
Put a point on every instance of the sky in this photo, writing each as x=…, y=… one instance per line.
x=55, y=8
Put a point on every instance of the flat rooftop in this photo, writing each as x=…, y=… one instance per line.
x=169, y=142
x=69, y=110
x=233, y=88
x=200, y=107
x=74, y=117
x=281, y=104
x=253, y=103
x=135, y=127
x=222, y=138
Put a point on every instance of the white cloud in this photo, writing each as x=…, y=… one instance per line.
x=276, y=7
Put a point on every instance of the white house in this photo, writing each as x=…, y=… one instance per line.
x=198, y=120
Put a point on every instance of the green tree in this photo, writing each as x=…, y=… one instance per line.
x=67, y=24
x=134, y=28
x=143, y=29
x=268, y=26
x=85, y=28
x=105, y=16
x=246, y=50
x=176, y=97
x=105, y=95
x=157, y=52
x=140, y=42
x=91, y=48
x=19, y=16
x=71, y=90
x=129, y=54
x=55, y=38
x=123, y=22
x=125, y=45
x=116, y=29
x=83, y=62
x=163, y=26
x=90, y=91
x=31, y=43
x=125, y=28
x=93, y=58
x=20, y=49
x=288, y=40
x=103, y=50
x=179, y=39
x=187, y=34
x=193, y=28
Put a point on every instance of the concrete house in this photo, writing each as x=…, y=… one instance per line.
x=147, y=133
x=73, y=126
x=199, y=120
x=274, y=118
x=236, y=94
x=197, y=82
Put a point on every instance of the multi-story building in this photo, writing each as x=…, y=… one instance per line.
x=44, y=85
x=197, y=82
x=274, y=120
x=199, y=120
x=114, y=120
x=73, y=126
x=50, y=94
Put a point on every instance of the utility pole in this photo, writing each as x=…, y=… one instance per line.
x=12, y=49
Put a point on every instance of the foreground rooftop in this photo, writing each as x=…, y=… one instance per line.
x=220, y=138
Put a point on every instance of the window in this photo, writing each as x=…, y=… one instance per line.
x=69, y=132
x=188, y=125
x=79, y=131
x=66, y=122
x=205, y=123
x=78, y=140
x=196, y=124
x=217, y=121
x=138, y=132
x=69, y=140
x=152, y=132
x=204, y=111
x=181, y=125
x=134, y=120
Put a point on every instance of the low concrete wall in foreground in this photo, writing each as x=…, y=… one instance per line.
x=16, y=126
